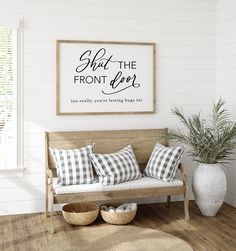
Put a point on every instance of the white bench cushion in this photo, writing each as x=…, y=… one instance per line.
x=144, y=182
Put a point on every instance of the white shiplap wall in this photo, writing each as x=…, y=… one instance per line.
x=226, y=69
x=185, y=34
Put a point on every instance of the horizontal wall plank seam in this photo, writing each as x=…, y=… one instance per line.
x=130, y=6
x=110, y=17
x=128, y=18
x=226, y=32
x=158, y=44
x=123, y=30
x=225, y=19
x=225, y=7
x=226, y=44
x=227, y=56
x=226, y=68
x=18, y=201
x=15, y=188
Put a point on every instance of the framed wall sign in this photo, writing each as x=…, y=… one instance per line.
x=96, y=77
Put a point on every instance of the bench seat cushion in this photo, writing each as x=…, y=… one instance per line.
x=144, y=182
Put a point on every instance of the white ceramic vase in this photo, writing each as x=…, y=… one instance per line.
x=209, y=188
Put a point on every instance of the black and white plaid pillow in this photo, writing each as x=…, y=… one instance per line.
x=73, y=166
x=163, y=162
x=116, y=167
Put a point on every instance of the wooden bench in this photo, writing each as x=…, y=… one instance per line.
x=142, y=141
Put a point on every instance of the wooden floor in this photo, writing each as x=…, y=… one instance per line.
x=29, y=232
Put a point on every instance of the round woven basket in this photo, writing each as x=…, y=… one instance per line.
x=120, y=218
x=80, y=213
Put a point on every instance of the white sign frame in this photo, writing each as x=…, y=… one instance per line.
x=98, y=77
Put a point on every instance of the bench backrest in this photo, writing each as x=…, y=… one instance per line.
x=142, y=142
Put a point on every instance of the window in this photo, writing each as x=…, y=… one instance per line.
x=10, y=89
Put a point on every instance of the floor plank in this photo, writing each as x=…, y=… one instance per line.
x=1, y=234
x=30, y=231
x=19, y=234
x=30, y=237
x=8, y=234
x=39, y=230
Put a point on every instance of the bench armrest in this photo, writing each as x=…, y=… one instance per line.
x=49, y=176
x=183, y=173
x=182, y=169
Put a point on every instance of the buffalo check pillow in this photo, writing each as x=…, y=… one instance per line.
x=73, y=166
x=163, y=162
x=116, y=167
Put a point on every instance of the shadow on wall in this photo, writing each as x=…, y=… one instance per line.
x=24, y=188
x=230, y=172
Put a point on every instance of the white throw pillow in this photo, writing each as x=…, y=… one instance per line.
x=73, y=166
x=163, y=162
x=116, y=167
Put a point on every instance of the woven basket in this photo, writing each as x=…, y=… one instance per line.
x=80, y=213
x=120, y=218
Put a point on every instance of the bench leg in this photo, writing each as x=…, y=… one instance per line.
x=46, y=202
x=51, y=213
x=168, y=201
x=186, y=203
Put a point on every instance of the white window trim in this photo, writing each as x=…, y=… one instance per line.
x=18, y=24
x=20, y=100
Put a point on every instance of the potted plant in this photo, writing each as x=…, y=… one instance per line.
x=212, y=143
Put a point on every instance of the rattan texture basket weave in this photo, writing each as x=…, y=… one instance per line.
x=120, y=218
x=80, y=213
